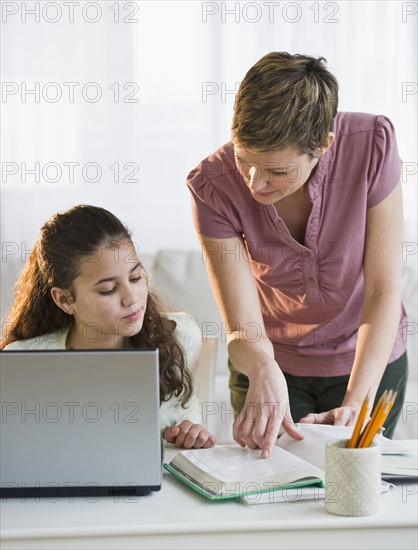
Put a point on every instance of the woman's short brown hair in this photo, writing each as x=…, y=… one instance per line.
x=285, y=100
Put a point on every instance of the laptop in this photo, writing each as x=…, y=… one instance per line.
x=80, y=423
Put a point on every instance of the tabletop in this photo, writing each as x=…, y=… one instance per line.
x=177, y=517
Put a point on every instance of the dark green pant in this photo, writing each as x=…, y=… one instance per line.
x=311, y=394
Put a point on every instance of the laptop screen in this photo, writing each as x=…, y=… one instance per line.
x=79, y=422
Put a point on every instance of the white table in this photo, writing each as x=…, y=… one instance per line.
x=177, y=517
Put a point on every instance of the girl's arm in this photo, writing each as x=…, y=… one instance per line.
x=381, y=308
x=251, y=352
x=181, y=426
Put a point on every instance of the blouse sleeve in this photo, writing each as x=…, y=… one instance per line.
x=385, y=165
x=212, y=185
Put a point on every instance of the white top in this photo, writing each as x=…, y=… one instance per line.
x=188, y=335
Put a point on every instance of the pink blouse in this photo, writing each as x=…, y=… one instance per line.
x=311, y=294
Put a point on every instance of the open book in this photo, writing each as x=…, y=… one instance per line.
x=229, y=471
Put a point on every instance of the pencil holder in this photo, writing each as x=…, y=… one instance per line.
x=352, y=479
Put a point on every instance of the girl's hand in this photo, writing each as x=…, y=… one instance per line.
x=189, y=435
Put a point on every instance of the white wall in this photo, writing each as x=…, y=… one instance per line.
x=174, y=52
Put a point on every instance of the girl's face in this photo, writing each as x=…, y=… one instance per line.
x=108, y=298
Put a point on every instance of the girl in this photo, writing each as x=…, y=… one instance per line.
x=84, y=287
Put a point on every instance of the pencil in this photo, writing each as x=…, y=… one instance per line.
x=380, y=418
x=370, y=423
x=360, y=421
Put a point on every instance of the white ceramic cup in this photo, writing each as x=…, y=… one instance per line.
x=352, y=479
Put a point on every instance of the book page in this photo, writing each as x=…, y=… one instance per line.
x=312, y=448
x=400, y=465
x=231, y=463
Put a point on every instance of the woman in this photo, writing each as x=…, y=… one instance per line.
x=300, y=219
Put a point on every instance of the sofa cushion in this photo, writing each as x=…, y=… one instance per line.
x=180, y=278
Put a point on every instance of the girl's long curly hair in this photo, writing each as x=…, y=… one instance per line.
x=65, y=241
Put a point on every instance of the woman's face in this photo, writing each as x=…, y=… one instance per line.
x=272, y=176
x=108, y=298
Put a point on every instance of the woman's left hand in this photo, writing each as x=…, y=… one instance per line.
x=189, y=435
x=340, y=416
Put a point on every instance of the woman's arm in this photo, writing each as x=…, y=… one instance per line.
x=381, y=307
x=251, y=352
x=382, y=296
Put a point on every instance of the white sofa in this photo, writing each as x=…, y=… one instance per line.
x=180, y=277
